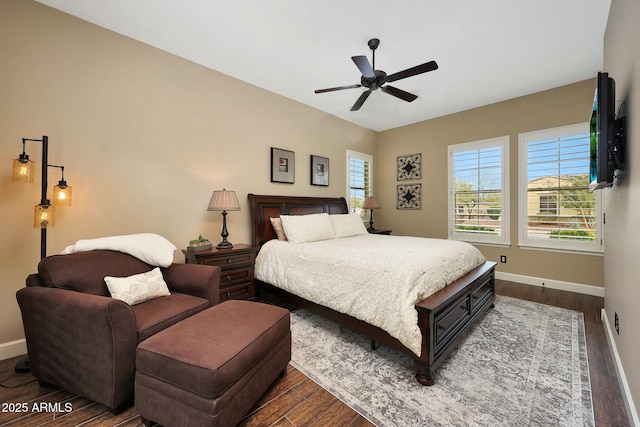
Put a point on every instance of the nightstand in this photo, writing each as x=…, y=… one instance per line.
x=387, y=232
x=236, y=265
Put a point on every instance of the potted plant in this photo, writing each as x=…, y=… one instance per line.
x=199, y=244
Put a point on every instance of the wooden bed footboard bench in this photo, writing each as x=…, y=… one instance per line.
x=444, y=318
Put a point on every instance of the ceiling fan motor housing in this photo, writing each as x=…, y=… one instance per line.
x=374, y=83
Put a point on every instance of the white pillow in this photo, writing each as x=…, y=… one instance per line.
x=139, y=287
x=307, y=228
x=347, y=225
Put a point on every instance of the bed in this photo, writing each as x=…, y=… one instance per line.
x=442, y=318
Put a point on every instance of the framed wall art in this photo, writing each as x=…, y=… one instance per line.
x=283, y=166
x=409, y=196
x=319, y=170
x=409, y=167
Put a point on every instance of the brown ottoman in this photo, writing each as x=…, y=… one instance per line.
x=211, y=368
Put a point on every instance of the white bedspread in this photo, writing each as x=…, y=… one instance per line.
x=377, y=279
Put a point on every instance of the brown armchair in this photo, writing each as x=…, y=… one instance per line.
x=81, y=339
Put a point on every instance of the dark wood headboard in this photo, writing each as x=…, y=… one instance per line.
x=264, y=207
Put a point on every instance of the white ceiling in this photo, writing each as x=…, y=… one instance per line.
x=487, y=51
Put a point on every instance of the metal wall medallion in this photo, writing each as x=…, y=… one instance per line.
x=409, y=196
x=409, y=167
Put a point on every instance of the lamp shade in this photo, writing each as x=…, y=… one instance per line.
x=371, y=203
x=62, y=194
x=44, y=216
x=22, y=170
x=224, y=200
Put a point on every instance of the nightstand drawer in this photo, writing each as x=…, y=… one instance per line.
x=231, y=260
x=236, y=268
x=233, y=277
x=236, y=292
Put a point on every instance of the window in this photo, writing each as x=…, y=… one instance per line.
x=548, y=204
x=557, y=210
x=479, y=191
x=359, y=179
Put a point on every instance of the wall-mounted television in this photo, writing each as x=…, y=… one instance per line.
x=606, y=135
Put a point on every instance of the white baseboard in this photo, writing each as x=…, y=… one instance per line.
x=632, y=414
x=13, y=349
x=553, y=284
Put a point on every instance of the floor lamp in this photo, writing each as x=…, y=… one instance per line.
x=44, y=212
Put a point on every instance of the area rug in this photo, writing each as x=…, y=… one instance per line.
x=522, y=364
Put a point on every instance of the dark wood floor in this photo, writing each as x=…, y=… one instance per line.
x=295, y=400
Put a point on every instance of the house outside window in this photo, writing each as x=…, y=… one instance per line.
x=479, y=191
x=556, y=209
x=359, y=180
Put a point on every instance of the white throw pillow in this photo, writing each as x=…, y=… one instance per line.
x=307, y=228
x=139, y=287
x=347, y=225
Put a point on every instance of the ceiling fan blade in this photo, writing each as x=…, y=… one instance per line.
x=361, y=100
x=418, y=69
x=399, y=93
x=331, y=89
x=364, y=66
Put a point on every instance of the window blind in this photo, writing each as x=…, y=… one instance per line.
x=359, y=182
x=559, y=205
x=478, y=191
x=359, y=179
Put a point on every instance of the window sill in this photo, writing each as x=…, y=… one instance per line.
x=484, y=243
x=495, y=245
x=561, y=250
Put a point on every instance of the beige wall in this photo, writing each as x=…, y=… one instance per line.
x=622, y=201
x=145, y=137
x=558, y=107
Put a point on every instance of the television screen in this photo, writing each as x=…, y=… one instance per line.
x=602, y=134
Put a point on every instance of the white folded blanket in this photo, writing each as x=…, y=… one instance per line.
x=148, y=247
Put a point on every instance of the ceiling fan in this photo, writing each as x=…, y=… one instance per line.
x=374, y=79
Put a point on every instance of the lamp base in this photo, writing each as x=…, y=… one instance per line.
x=225, y=245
